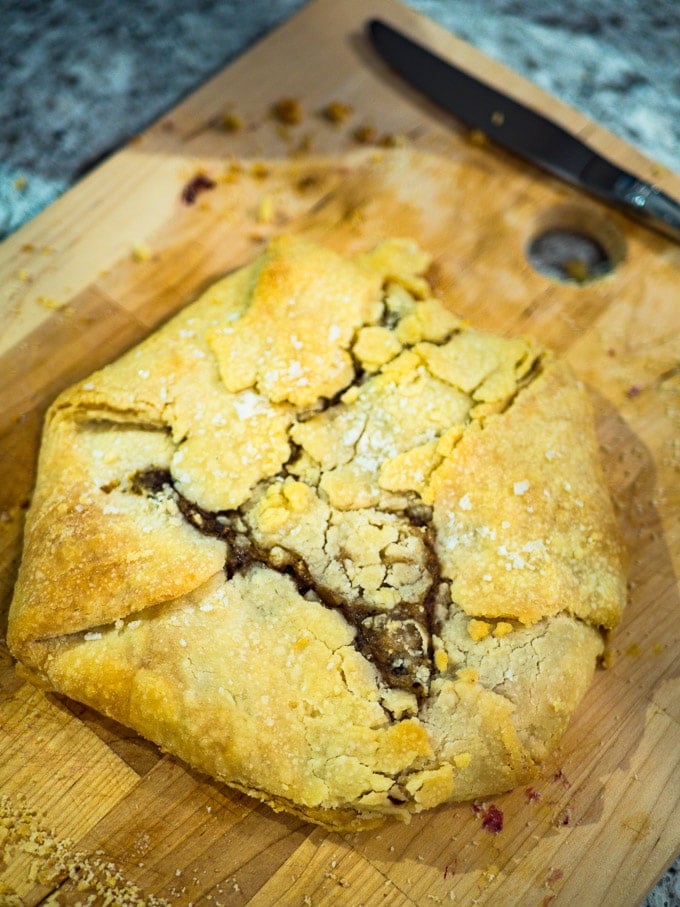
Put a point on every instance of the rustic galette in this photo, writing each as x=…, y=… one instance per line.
x=325, y=542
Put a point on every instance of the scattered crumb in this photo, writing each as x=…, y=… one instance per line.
x=477, y=137
x=52, y=859
x=20, y=183
x=259, y=171
x=489, y=874
x=337, y=112
x=287, y=111
x=391, y=140
x=47, y=302
x=141, y=252
x=304, y=146
x=231, y=174
x=365, y=135
x=231, y=122
x=576, y=269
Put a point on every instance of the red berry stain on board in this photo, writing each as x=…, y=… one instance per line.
x=196, y=185
x=532, y=795
x=562, y=778
x=492, y=817
x=564, y=817
x=632, y=391
x=450, y=869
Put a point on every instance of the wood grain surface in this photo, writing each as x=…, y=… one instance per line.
x=90, y=811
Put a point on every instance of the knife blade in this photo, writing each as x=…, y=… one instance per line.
x=523, y=131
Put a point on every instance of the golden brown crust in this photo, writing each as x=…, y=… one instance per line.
x=325, y=543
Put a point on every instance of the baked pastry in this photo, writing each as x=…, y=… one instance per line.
x=325, y=542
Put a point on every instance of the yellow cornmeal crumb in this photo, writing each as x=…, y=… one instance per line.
x=231, y=174
x=265, y=210
x=301, y=644
x=477, y=137
x=48, y=303
x=337, y=112
x=232, y=122
x=23, y=275
x=468, y=675
x=489, y=874
x=462, y=760
x=502, y=629
x=479, y=629
x=141, y=252
x=441, y=660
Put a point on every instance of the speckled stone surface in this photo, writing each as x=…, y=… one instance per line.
x=80, y=77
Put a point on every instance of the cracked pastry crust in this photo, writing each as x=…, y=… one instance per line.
x=325, y=542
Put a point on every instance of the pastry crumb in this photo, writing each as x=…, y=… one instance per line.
x=287, y=111
x=141, y=251
x=337, y=112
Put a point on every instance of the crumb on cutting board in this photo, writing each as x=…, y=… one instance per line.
x=51, y=858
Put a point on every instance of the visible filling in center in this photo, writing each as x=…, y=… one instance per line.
x=390, y=602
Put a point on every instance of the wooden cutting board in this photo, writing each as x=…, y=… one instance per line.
x=87, y=808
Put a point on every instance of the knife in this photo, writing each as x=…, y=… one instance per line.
x=524, y=132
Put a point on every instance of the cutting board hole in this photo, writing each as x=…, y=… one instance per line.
x=572, y=246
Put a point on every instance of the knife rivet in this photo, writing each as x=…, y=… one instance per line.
x=497, y=118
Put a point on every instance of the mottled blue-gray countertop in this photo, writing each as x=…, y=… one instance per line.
x=80, y=77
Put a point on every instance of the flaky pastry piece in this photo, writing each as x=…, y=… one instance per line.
x=324, y=542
